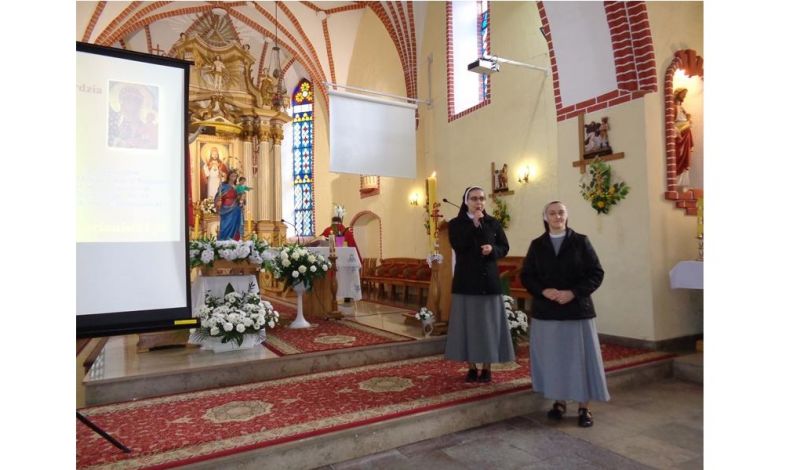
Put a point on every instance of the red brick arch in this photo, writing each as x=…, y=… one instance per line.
x=692, y=64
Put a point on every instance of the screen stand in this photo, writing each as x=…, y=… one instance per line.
x=95, y=428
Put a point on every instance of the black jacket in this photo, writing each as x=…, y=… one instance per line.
x=476, y=274
x=576, y=268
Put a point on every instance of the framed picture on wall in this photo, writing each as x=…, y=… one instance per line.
x=215, y=164
x=595, y=141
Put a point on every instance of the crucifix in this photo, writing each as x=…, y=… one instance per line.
x=159, y=51
x=585, y=159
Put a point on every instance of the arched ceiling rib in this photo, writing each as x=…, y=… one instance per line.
x=316, y=39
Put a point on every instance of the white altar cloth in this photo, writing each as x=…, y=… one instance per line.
x=687, y=275
x=348, y=275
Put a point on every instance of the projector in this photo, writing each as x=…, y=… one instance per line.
x=484, y=66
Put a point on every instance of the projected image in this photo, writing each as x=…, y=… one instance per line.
x=215, y=163
x=132, y=116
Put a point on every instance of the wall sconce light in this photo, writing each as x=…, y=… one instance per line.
x=523, y=175
x=414, y=200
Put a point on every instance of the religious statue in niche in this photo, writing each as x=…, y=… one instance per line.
x=683, y=138
x=500, y=179
x=595, y=142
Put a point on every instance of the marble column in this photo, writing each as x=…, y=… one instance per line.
x=276, y=137
x=247, y=168
x=264, y=177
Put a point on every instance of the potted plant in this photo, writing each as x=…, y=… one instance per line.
x=425, y=316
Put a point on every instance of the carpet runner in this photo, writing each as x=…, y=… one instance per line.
x=323, y=335
x=327, y=335
x=191, y=427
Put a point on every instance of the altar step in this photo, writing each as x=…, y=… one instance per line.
x=340, y=446
x=690, y=368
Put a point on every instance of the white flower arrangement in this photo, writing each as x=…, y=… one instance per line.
x=295, y=264
x=205, y=250
x=423, y=314
x=517, y=321
x=235, y=314
x=434, y=258
x=207, y=206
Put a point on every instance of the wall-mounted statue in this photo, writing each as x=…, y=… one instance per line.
x=683, y=137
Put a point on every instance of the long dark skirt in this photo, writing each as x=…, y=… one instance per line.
x=478, y=330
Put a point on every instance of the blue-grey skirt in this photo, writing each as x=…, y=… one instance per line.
x=566, y=363
x=478, y=330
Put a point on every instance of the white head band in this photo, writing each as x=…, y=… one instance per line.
x=469, y=190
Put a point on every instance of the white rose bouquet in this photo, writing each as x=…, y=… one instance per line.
x=205, y=250
x=294, y=264
x=424, y=314
x=235, y=315
x=517, y=321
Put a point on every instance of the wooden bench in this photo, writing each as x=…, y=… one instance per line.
x=368, y=266
x=393, y=277
x=510, y=268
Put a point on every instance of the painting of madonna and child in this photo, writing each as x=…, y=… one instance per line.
x=132, y=116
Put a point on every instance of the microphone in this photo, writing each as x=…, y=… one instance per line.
x=296, y=232
x=445, y=200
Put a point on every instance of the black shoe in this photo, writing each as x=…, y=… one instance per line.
x=472, y=375
x=486, y=376
x=585, y=418
x=558, y=410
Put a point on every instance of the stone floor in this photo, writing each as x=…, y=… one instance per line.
x=658, y=425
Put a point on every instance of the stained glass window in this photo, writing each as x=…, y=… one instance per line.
x=303, y=157
x=483, y=43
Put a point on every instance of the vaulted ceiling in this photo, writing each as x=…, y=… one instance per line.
x=316, y=38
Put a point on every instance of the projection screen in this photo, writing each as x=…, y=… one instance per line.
x=372, y=136
x=132, y=270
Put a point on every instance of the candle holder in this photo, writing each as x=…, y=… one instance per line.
x=700, y=247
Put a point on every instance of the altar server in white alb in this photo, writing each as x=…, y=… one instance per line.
x=561, y=270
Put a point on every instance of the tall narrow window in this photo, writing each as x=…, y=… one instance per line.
x=303, y=157
x=467, y=40
x=483, y=43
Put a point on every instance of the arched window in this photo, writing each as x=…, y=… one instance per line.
x=303, y=157
x=467, y=40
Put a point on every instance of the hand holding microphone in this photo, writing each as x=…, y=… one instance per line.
x=477, y=218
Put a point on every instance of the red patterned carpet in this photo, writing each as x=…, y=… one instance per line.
x=180, y=429
x=324, y=335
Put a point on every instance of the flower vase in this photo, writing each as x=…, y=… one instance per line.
x=427, y=327
x=215, y=344
x=300, y=321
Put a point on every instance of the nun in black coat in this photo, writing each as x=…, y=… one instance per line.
x=478, y=329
